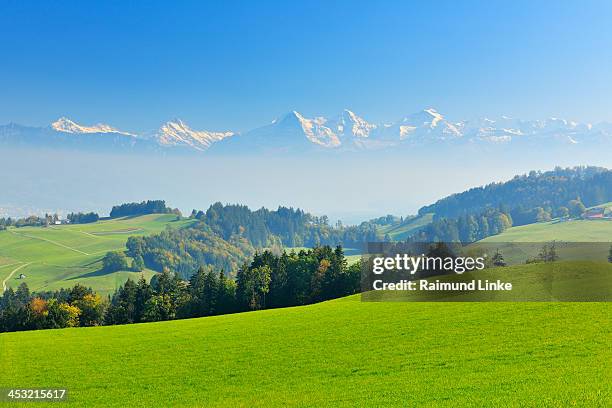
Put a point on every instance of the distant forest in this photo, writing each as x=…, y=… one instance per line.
x=522, y=196
x=536, y=197
x=143, y=208
x=226, y=235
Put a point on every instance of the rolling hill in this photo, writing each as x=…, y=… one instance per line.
x=403, y=230
x=342, y=353
x=570, y=231
x=63, y=255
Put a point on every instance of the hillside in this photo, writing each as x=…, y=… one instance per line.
x=570, y=231
x=403, y=230
x=343, y=352
x=63, y=255
x=522, y=196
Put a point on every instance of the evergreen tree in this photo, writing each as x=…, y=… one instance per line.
x=498, y=259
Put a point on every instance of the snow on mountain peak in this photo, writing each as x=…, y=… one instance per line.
x=178, y=133
x=316, y=131
x=428, y=122
x=359, y=127
x=66, y=125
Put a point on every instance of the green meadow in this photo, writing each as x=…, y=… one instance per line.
x=338, y=353
x=571, y=231
x=405, y=229
x=574, y=240
x=61, y=256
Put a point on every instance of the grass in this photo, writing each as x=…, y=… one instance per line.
x=565, y=281
x=401, y=231
x=575, y=240
x=63, y=255
x=339, y=353
x=571, y=231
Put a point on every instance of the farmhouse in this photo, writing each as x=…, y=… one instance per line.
x=22, y=276
x=596, y=213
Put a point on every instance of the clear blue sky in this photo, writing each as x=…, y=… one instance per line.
x=237, y=65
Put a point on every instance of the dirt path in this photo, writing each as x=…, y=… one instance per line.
x=11, y=275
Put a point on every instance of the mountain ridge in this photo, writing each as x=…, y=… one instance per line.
x=294, y=131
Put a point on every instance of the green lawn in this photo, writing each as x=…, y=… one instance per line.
x=61, y=256
x=339, y=353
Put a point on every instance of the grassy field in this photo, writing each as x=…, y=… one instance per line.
x=575, y=240
x=63, y=255
x=339, y=353
x=402, y=231
x=572, y=231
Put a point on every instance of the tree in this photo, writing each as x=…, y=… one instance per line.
x=576, y=208
x=542, y=215
x=563, y=212
x=610, y=255
x=158, y=308
x=114, y=261
x=62, y=314
x=204, y=288
x=548, y=253
x=92, y=310
x=138, y=264
x=498, y=259
x=252, y=286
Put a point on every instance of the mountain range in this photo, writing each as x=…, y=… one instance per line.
x=293, y=132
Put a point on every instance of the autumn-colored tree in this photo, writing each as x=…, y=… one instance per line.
x=92, y=309
x=38, y=307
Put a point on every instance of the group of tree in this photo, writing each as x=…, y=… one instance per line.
x=548, y=253
x=83, y=218
x=184, y=250
x=288, y=226
x=465, y=228
x=267, y=281
x=30, y=221
x=143, y=208
x=225, y=236
x=22, y=310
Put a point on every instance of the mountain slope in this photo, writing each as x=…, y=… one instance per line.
x=66, y=125
x=178, y=134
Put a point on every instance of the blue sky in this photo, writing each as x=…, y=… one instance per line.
x=237, y=65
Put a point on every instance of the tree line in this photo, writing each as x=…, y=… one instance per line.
x=143, y=208
x=82, y=218
x=267, y=281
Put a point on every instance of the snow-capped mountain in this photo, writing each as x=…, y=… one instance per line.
x=64, y=124
x=176, y=133
x=295, y=132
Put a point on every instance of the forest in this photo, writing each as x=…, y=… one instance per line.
x=523, y=197
x=227, y=235
x=267, y=281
